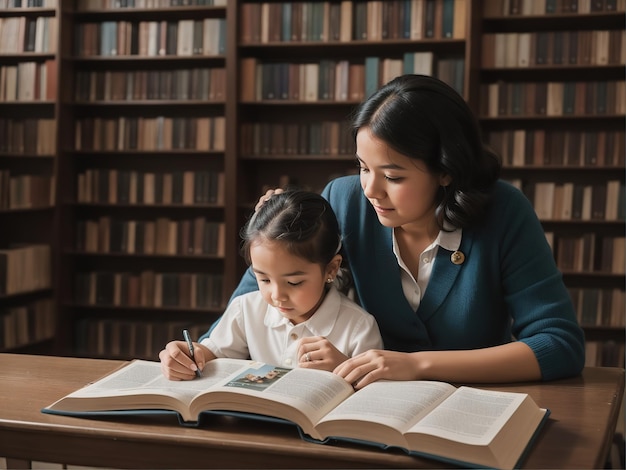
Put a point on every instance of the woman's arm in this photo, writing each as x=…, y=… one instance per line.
x=512, y=362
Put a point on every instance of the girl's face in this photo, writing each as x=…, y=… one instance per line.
x=293, y=285
x=401, y=189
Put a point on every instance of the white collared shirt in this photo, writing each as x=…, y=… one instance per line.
x=250, y=328
x=414, y=288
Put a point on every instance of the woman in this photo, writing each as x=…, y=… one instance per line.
x=452, y=262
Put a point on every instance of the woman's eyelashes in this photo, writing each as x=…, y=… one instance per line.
x=362, y=169
x=393, y=179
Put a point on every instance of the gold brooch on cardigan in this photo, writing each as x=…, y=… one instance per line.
x=457, y=257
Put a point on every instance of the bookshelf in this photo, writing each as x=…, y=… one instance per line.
x=304, y=66
x=164, y=99
x=552, y=81
x=143, y=161
x=28, y=132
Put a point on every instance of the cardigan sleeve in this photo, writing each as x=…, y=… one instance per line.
x=540, y=306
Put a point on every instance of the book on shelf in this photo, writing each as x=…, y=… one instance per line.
x=604, y=354
x=496, y=8
x=27, y=323
x=145, y=289
x=426, y=418
x=24, y=268
x=598, y=306
x=590, y=98
x=346, y=20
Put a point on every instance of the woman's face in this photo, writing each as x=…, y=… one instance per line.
x=401, y=189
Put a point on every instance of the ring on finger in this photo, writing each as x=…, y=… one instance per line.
x=307, y=357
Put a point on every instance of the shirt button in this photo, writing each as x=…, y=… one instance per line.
x=425, y=260
x=293, y=336
x=287, y=362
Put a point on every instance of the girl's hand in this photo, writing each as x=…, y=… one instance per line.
x=377, y=364
x=268, y=194
x=176, y=363
x=317, y=352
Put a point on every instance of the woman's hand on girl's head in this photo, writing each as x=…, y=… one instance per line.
x=317, y=352
x=377, y=364
x=176, y=363
x=268, y=194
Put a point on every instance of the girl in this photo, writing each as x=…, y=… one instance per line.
x=297, y=316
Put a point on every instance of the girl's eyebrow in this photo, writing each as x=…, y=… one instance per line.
x=295, y=273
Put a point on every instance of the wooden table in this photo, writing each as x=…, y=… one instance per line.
x=578, y=434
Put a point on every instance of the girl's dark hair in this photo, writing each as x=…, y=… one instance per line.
x=426, y=119
x=302, y=220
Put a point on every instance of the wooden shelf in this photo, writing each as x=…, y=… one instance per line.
x=247, y=173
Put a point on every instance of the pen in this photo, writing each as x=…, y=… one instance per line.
x=190, y=346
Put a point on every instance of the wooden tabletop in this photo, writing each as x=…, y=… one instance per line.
x=584, y=412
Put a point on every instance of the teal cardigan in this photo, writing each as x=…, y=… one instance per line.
x=507, y=287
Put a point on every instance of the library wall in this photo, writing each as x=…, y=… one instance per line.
x=126, y=173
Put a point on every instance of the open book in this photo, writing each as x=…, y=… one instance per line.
x=465, y=425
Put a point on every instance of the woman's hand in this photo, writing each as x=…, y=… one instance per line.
x=268, y=194
x=176, y=363
x=317, y=352
x=511, y=362
x=377, y=364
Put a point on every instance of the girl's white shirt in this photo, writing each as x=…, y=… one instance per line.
x=250, y=328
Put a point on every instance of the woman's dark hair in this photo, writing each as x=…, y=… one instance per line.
x=302, y=220
x=423, y=118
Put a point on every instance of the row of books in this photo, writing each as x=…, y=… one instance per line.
x=29, y=136
x=28, y=81
x=109, y=186
x=151, y=133
x=330, y=80
x=28, y=34
x=202, y=37
x=162, y=236
x=589, y=253
x=24, y=269
x=373, y=20
x=150, y=289
x=126, y=339
x=541, y=7
x=598, y=307
x=577, y=201
x=572, y=98
x=604, y=354
x=88, y=5
x=26, y=191
x=27, y=324
x=27, y=4
x=287, y=138
x=540, y=147
x=511, y=50
x=204, y=84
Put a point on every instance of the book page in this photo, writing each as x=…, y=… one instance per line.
x=145, y=377
x=395, y=404
x=270, y=389
x=472, y=416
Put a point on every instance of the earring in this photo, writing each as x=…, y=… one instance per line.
x=329, y=280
